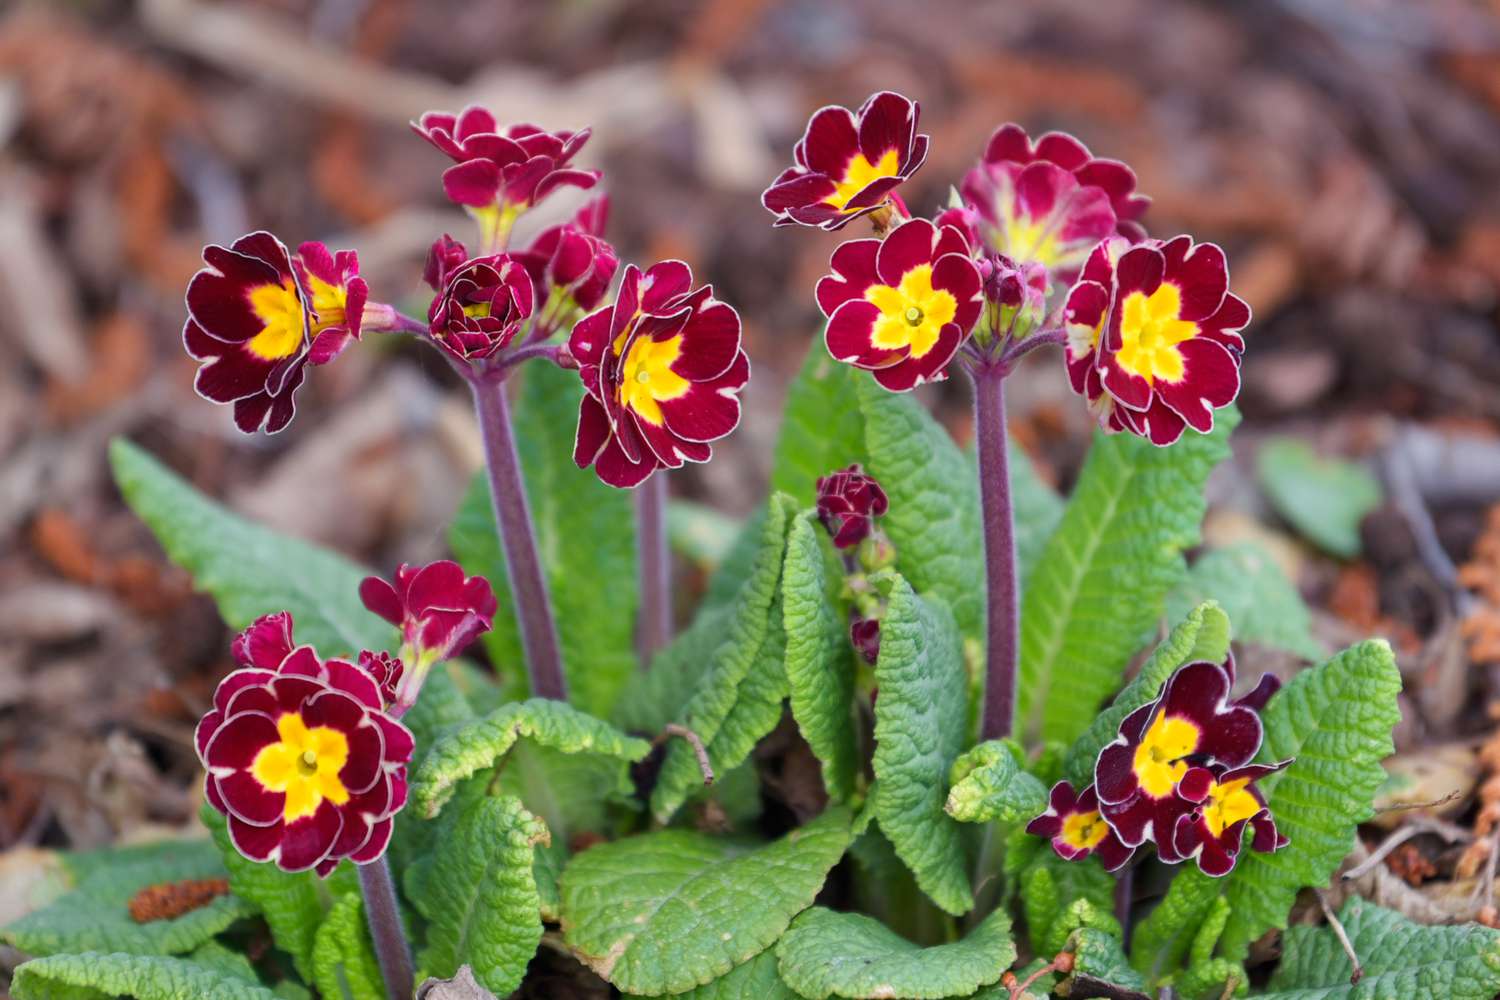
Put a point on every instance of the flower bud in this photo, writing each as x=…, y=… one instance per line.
x=484, y=304
x=848, y=503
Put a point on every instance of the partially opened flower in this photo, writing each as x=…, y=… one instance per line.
x=483, y=307
x=1077, y=829
x=1223, y=801
x=1154, y=338
x=864, y=635
x=570, y=264
x=386, y=670
x=662, y=368
x=301, y=760
x=901, y=307
x=445, y=256
x=848, y=504
x=439, y=610
x=848, y=163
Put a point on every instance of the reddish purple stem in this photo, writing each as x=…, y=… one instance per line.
x=1002, y=607
x=384, y=916
x=654, y=626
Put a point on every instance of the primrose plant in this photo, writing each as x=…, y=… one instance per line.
x=926, y=717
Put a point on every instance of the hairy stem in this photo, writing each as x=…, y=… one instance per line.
x=384, y=916
x=654, y=626
x=1002, y=613
x=513, y=518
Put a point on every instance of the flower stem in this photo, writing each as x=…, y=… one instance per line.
x=1002, y=612
x=384, y=916
x=654, y=626
x=513, y=517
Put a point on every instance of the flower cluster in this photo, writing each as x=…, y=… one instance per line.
x=1179, y=775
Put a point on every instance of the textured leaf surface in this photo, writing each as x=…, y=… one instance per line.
x=657, y=697
x=1099, y=959
x=480, y=743
x=1323, y=498
x=95, y=916
x=344, y=964
x=1402, y=960
x=756, y=979
x=920, y=722
x=249, y=569
x=1336, y=720
x=851, y=955
x=671, y=910
x=988, y=783
x=585, y=537
x=481, y=898
x=819, y=658
x=1049, y=885
x=1251, y=587
x=821, y=425
x=1102, y=581
x=1161, y=941
x=288, y=901
x=146, y=977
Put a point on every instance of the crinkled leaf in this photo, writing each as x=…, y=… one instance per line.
x=1102, y=581
x=826, y=954
x=920, y=716
x=667, y=911
x=1402, y=960
x=989, y=783
x=573, y=793
x=1099, y=965
x=1323, y=498
x=657, y=697
x=585, y=538
x=756, y=979
x=819, y=658
x=1085, y=914
x=1256, y=594
x=442, y=705
x=1207, y=980
x=89, y=975
x=344, y=964
x=249, y=569
x=1049, y=884
x=481, y=897
x=288, y=901
x=1162, y=941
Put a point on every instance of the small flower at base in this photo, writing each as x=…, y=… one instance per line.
x=439, y=610
x=848, y=503
x=484, y=305
x=1076, y=828
x=1220, y=802
x=864, y=634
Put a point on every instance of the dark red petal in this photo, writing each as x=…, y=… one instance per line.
x=249, y=800
x=352, y=680
x=853, y=266
x=258, y=843
x=237, y=681
x=1203, y=278
x=1128, y=388
x=1210, y=379
x=710, y=410
x=381, y=598
x=871, y=195
x=308, y=841
x=800, y=191
x=1009, y=143
x=378, y=840
x=831, y=140
x=473, y=120
x=1255, y=699
x=1063, y=150
x=615, y=469
x=886, y=121
x=1040, y=187
x=1113, y=854
x=239, y=739
x=909, y=245
x=959, y=276
x=1195, y=783
x=848, y=336
x=439, y=584
x=663, y=282
x=1140, y=269
x=399, y=742
x=475, y=183
x=710, y=343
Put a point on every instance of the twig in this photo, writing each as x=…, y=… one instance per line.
x=1404, y=806
x=1342, y=935
x=693, y=740
x=1062, y=963
x=1485, y=890
x=1230, y=985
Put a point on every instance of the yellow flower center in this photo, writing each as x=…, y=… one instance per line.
x=647, y=379
x=1159, y=760
x=305, y=765
x=912, y=314
x=329, y=302
x=280, y=311
x=1031, y=241
x=859, y=174
x=1150, y=332
x=1228, y=804
x=1084, y=830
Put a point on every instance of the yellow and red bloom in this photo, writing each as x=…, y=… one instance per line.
x=848, y=163
x=1077, y=828
x=1154, y=339
x=439, y=610
x=662, y=367
x=1051, y=201
x=1222, y=801
x=901, y=307
x=484, y=305
x=257, y=317
x=302, y=761
x=848, y=504
x=570, y=264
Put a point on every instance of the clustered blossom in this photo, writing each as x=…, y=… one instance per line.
x=483, y=304
x=571, y=265
x=1178, y=775
x=848, y=504
x=440, y=612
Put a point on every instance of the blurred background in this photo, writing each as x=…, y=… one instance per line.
x=1344, y=152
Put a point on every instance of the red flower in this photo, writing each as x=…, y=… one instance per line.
x=901, y=307
x=301, y=759
x=1052, y=201
x=503, y=171
x=848, y=503
x=439, y=610
x=386, y=670
x=1077, y=829
x=662, y=367
x=1154, y=339
x=445, y=256
x=571, y=261
x=848, y=163
x=1222, y=801
x=864, y=634
x=484, y=304
x=257, y=316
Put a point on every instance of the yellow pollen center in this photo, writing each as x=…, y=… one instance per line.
x=1031, y=241
x=1084, y=830
x=860, y=174
x=912, y=314
x=1228, y=804
x=282, y=318
x=305, y=765
x=1159, y=760
x=647, y=379
x=1150, y=332
x=477, y=310
x=329, y=302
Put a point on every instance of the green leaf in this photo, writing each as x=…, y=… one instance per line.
x=674, y=909
x=756, y=979
x=826, y=954
x=989, y=783
x=1099, y=960
x=344, y=964
x=585, y=539
x=1203, y=634
x=1336, y=720
x=819, y=658
x=249, y=569
x=1103, y=578
x=289, y=902
x=701, y=533
x=96, y=916
x=1324, y=499
x=481, y=898
x=146, y=977
x=572, y=793
x=657, y=697
x=822, y=428
x=1263, y=604
x=1402, y=960
x=1085, y=914
x=1036, y=507
x=480, y=743
x=1162, y=941
x=442, y=705
x=920, y=723
x=1049, y=885
x=1207, y=980
x=1206, y=937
